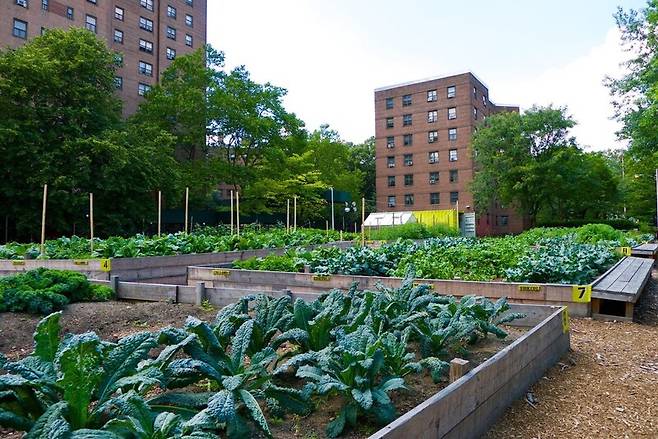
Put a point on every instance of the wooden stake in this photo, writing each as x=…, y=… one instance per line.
x=288, y=216
x=231, y=212
x=237, y=209
x=295, y=213
x=43, y=219
x=458, y=369
x=327, y=226
x=363, y=221
x=91, y=221
x=187, y=207
x=159, y=212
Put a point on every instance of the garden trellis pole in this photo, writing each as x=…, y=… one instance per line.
x=237, y=209
x=43, y=219
x=187, y=207
x=288, y=216
x=159, y=212
x=295, y=214
x=91, y=221
x=363, y=221
x=231, y=213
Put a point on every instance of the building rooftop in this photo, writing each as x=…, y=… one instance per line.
x=434, y=78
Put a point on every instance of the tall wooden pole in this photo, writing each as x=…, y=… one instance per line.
x=91, y=221
x=295, y=214
x=237, y=208
x=159, y=212
x=43, y=219
x=231, y=212
x=363, y=221
x=288, y=216
x=187, y=207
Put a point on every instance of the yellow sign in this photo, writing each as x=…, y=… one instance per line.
x=417, y=284
x=106, y=265
x=625, y=251
x=565, y=320
x=81, y=262
x=531, y=288
x=581, y=293
x=17, y=262
x=224, y=273
x=322, y=277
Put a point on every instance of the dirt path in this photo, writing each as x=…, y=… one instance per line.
x=607, y=387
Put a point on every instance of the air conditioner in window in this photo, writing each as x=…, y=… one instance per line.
x=391, y=204
x=391, y=165
x=409, y=163
x=390, y=145
x=432, y=181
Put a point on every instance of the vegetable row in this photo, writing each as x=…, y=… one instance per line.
x=261, y=358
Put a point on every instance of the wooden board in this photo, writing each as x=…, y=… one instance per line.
x=470, y=405
x=645, y=250
x=625, y=281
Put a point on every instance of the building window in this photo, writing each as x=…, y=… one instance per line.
x=90, y=23
x=433, y=156
x=69, y=13
x=475, y=113
x=452, y=134
x=142, y=89
x=390, y=161
x=431, y=96
x=454, y=197
x=390, y=142
x=92, y=1
x=389, y=122
x=188, y=40
x=432, y=116
x=406, y=120
x=475, y=92
x=408, y=160
x=118, y=82
x=20, y=29
x=147, y=4
x=484, y=100
x=454, y=176
x=171, y=12
x=409, y=179
x=145, y=68
x=146, y=24
x=408, y=139
x=189, y=2
x=432, y=136
x=504, y=220
x=452, y=113
x=391, y=201
x=145, y=46
x=22, y=3
x=391, y=181
x=118, y=13
x=434, y=198
x=452, y=155
x=189, y=21
x=389, y=103
x=171, y=53
x=118, y=36
x=409, y=199
x=434, y=177
x=43, y=30
x=171, y=33
x=44, y=4
x=118, y=59
x=406, y=100
x=452, y=92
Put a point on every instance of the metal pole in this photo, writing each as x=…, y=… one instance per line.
x=363, y=221
x=231, y=212
x=295, y=214
x=159, y=212
x=332, y=209
x=91, y=221
x=657, y=198
x=43, y=219
x=288, y=216
x=237, y=208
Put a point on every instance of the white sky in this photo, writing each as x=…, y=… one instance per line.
x=331, y=56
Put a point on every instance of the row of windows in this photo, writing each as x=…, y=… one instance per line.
x=435, y=198
x=148, y=4
x=433, y=178
x=142, y=88
x=433, y=157
x=432, y=96
x=432, y=117
x=432, y=137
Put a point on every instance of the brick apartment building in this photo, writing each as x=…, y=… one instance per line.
x=423, y=133
x=146, y=34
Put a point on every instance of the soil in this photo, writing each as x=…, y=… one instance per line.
x=606, y=387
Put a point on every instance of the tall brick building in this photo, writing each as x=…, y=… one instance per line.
x=146, y=34
x=423, y=133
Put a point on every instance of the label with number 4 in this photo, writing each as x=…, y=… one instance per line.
x=581, y=293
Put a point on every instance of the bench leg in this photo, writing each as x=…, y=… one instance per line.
x=629, y=311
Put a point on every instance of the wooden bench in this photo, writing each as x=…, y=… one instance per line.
x=645, y=250
x=614, y=294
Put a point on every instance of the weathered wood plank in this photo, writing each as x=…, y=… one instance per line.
x=611, y=275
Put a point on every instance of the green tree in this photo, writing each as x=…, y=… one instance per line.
x=57, y=88
x=362, y=160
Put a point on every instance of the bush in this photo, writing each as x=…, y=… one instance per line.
x=412, y=231
x=619, y=224
x=42, y=291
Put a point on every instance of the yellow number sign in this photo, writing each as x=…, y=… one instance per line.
x=565, y=320
x=530, y=288
x=322, y=277
x=224, y=273
x=625, y=251
x=106, y=265
x=581, y=293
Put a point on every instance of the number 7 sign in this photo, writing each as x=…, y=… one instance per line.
x=581, y=293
